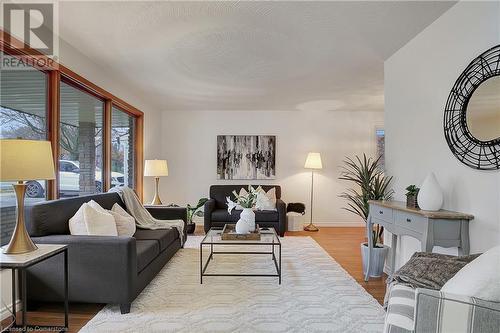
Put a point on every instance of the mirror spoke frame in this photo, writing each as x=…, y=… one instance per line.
x=473, y=152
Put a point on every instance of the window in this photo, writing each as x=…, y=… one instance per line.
x=380, y=134
x=80, y=141
x=23, y=100
x=96, y=136
x=122, y=148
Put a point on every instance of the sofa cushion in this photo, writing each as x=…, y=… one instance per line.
x=98, y=221
x=51, y=217
x=125, y=223
x=164, y=237
x=480, y=278
x=92, y=219
x=266, y=200
x=221, y=215
x=146, y=250
x=220, y=192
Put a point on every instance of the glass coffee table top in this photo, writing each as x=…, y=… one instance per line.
x=268, y=237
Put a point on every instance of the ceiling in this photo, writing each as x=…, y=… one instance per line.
x=248, y=55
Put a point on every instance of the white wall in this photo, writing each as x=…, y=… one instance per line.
x=418, y=79
x=189, y=145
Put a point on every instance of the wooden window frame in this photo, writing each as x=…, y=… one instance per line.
x=59, y=73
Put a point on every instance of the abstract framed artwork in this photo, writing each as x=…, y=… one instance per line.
x=246, y=156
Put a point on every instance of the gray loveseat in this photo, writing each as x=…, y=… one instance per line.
x=102, y=269
x=216, y=214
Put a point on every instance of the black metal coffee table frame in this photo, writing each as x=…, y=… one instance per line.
x=208, y=242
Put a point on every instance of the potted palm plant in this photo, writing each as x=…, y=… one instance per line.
x=369, y=183
x=193, y=211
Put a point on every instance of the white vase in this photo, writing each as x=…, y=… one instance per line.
x=246, y=223
x=430, y=196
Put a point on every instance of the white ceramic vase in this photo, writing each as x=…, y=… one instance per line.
x=430, y=196
x=246, y=223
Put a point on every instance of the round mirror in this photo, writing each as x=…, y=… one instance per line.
x=472, y=113
x=483, y=111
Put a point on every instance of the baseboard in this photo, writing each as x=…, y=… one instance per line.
x=340, y=224
x=5, y=312
x=328, y=224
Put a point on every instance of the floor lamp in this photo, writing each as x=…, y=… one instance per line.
x=313, y=162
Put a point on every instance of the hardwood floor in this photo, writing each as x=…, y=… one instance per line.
x=341, y=243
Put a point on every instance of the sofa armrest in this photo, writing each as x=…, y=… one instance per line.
x=438, y=311
x=170, y=213
x=95, y=262
x=207, y=213
x=281, y=208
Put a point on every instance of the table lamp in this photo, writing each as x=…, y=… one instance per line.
x=313, y=162
x=157, y=169
x=23, y=160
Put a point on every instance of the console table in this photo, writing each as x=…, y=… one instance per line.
x=433, y=228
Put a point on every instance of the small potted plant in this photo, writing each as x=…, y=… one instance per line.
x=411, y=196
x=193, y=211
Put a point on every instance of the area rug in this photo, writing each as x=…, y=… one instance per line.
x=316, y=295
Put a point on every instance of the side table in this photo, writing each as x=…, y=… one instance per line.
x=21, y=262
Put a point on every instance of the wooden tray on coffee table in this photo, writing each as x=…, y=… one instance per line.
x=229, y=233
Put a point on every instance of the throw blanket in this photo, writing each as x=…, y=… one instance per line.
x=427, y=270
x=430, y=270
x=144, y=219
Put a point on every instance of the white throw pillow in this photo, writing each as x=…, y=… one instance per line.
x=479, y=278
x=266, y=200
x=96, y=206
x=77, y=224
x=99, y=223
x=125, y=223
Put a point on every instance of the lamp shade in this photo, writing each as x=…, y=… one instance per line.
x=26, y=160
x=155, y=168
x=313, y=161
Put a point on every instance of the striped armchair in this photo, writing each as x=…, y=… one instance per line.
x=425, y=311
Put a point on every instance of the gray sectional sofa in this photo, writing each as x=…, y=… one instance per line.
x=102, y=269
x=216, y=214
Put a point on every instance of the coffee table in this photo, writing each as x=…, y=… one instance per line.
x=213, y=240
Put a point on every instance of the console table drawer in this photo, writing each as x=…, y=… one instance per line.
x=382, y=213
x=411, y=221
